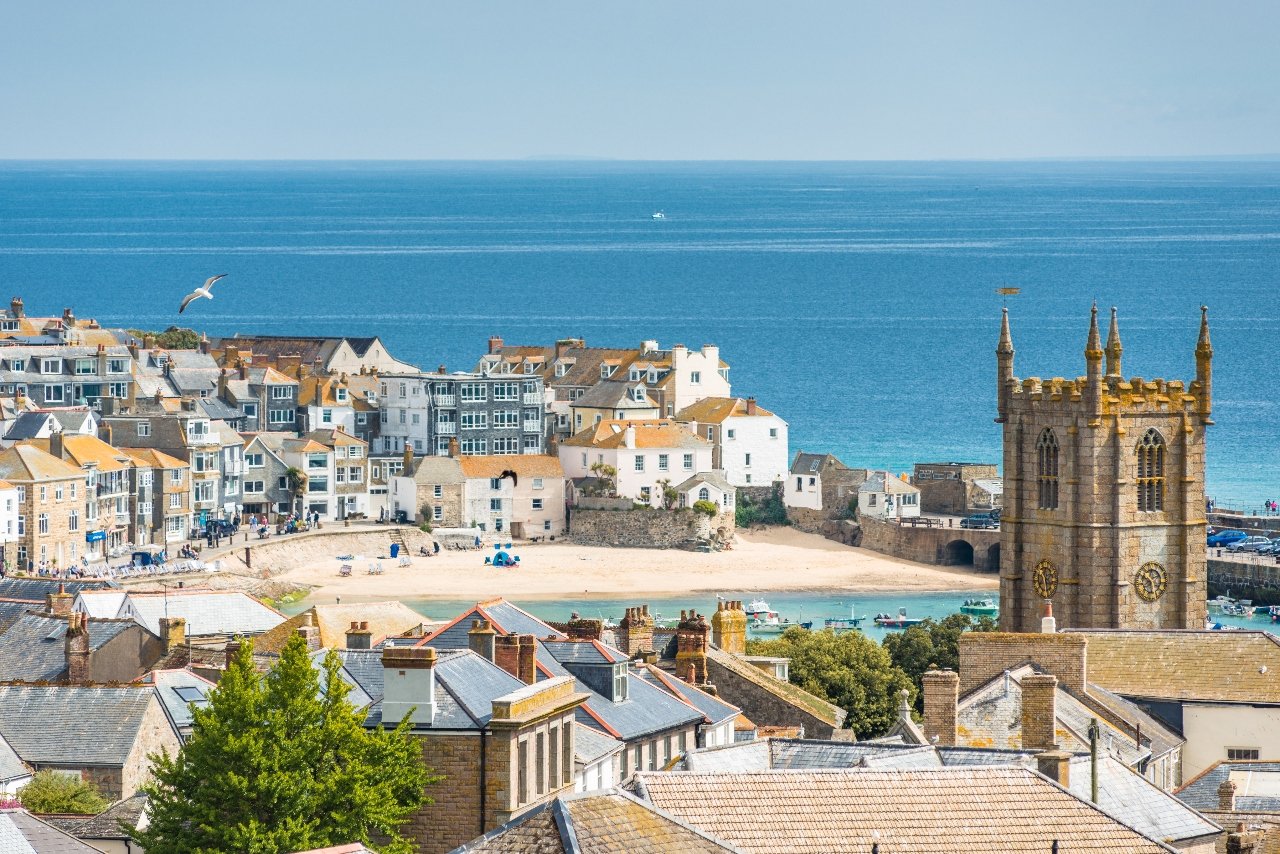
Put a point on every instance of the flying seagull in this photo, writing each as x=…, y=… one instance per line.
x=200, y=292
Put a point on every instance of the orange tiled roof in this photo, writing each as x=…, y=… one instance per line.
x=524, y=465
x=713, y=410
x=26, y=462
x=83, y=450
x=151, y=458
x=657, y=433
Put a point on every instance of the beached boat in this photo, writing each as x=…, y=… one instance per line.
x=898, y=621
x=980, y=607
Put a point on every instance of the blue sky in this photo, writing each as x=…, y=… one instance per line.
x=697, y=79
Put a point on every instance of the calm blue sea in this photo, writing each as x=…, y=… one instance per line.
x=857, y=300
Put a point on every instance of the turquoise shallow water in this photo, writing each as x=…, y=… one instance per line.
x=855, y=299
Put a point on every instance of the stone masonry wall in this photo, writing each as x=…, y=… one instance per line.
x=930, y=545
x=155, y=734
x=987, y=654
x=807, y=519
x=661, y=529
x=762, y=707
x=454, y=818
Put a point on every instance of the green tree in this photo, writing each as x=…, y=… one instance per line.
x=669, y=494
x=850, y=670
x=771, y=511
x=297, y=480
x=173, y=338
x=609, y=475
x=275, y=764
x=932, y=642
x=51, y=792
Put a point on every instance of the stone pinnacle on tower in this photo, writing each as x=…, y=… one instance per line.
x=1204, y=368
x=1093, y=362
x=1093, y=348
x=1114, y=348
x=1004, y=366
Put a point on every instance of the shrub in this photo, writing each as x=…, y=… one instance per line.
x=771, y=511
x=707, y=508
x=51, y=792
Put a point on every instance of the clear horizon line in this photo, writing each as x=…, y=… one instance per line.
x=1098, y=158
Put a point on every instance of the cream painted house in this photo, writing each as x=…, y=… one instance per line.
x=883, y=496
x=522, y=495
x=643, y=453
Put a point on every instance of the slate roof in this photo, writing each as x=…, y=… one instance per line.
x=1138, y=802
x=357, y=697
x=713, y=709
x=207, y=612
x=646, y=710
x=46, y=724
x=613, y=394
x=11, y=765
x=37, y=589
x=106, y=824
x=437, y=470
x=585, y=652
x=1186, y=664
x=813, y=463
x=365, y=667
x=1257, y=788
x=935, y=811
x=33, y=649
x=466, y=686
x=176, y=689
x=714, y=478
x=606, y=821
x=884, y=482
x=590, y=744
x=12, y=609
x=23, y=833
x=100, y=604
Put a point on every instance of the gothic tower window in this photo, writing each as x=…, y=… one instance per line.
x=1151, y=472
x=1047, y=455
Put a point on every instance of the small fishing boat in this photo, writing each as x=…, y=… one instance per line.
x=1274, y=613
x=775, y=626
x=758, y=609
x=851, y=623
x=658, y=215
x=898, y=621
x=980, y=607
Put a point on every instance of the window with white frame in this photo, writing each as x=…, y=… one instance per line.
x=688, y=462
x=117, y=366
x=639, y=462
x=144, y=429
x=84, y=366
x=505, y=418
x=280, y=392
x=42, y=523
x=355, y=452
x=73, y=521
x=663, y=462
x=695, y=377
x=474, y=420
x=537, y=483
x=506, y=391
x=175, y=475
x=506, y=445
x=326, y=416
x=474, y=446
x=50, y=366
x=280, y=416
x=255, y=460
x=120, y=391
x=472, y=392
x=537, y=504
x=53, y=394
x=437, y=513
x=495, y=505
x=175, y=500
x=355, y=474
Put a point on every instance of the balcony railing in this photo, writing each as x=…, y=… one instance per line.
x=446, y=428
x=445, y=399
x=532, y=398
x=532, y=427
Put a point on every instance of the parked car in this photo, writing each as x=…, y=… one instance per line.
x=979, y=520
x=1249, y=544
x=1226, y=537
x=1271, y=548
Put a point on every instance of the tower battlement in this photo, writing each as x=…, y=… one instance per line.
x=1104, y=491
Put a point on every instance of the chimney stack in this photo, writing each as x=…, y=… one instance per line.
x=480, y=639
x=408, y=459
x=16, y=309
x=527, y=671
x=59, y=604
x=1039, y=711
x=495, y=344
x=309, y=632
x=729, y=627
x=751, y=406
x=230, y=652
x=55, y=444
x=408, y=684
x=173, y=632
x=691, y=647
x=506, y=653
x=1048, y=625
x=941, y=695
x=635, y=632
x=1056, y=765
x=454, y=448
x=1227, y=796
x=77, y=648
x=359, y=636
x=583, y=629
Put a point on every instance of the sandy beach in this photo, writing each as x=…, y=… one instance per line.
x=771, y=559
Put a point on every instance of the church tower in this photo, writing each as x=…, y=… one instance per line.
x=1104, y=507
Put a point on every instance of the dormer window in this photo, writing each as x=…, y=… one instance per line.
x=653, y=375
x=340, y=395
x=561, y=369
x=18, y=364
x=50, y=366
x=620, y=682
x=606, y=371
x=637, y=393
x=635, y=375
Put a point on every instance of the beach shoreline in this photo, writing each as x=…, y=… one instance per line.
x=762, y=560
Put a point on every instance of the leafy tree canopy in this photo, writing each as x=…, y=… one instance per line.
x=51, y=792
x=932, y=642
x=274, y=764
x=173, y=338
x=850, y=670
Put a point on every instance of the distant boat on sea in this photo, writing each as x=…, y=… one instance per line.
x=659, y=215
x=980, y=608
x=901, y=621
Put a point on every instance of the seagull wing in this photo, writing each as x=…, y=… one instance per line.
x=187, y=301
x=208, y=283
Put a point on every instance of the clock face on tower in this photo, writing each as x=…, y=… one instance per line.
x=1150, y=581
x=1045, y=579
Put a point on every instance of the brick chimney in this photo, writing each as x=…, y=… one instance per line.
x=243, y=370
x=583, y=629
x=506, y=653
x=454, y=448
x=105, y=432
x=635, y=632
x=1227, y=796
x=751, y=406
x=55, y=444
x=359, y=636
x=16, y=308
x=495, y=344
x=408, y=684
x=1048, y=625
x=77, y=648
x=528, y=671
x=1056, y=765
x=204, y=343
x=1039, y=711
x=691, y=647
x=308, y=632
x=480, y=639
x=941, y=695
x=59, y=604
x=1243, y=841
x=729, y=627
x=173, y=632
x=408, y=458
